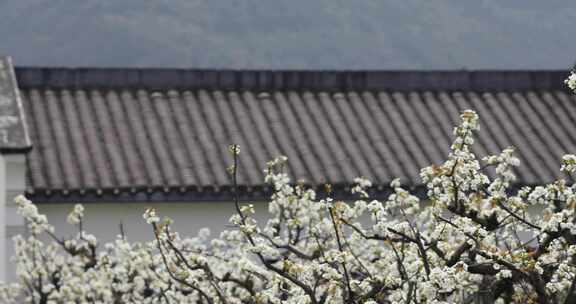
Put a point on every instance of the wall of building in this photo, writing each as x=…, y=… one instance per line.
x=12, y=183
x=104, y=219
x=3, y=202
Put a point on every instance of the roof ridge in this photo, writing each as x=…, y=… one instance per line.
x=285, y=80
x=14, y=137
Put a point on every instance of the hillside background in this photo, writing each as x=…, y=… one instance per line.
x=291, y=34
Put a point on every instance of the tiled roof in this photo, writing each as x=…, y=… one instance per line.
x=145, y=134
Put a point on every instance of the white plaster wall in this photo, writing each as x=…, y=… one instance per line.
x=12, y=183
x=103, y=219
x=3, y=218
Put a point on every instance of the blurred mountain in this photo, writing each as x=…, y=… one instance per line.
x=294, y=34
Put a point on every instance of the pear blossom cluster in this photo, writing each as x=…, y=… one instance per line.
x=571, y=80
x=474, y=238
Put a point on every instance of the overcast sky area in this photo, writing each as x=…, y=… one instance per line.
x=291, y=34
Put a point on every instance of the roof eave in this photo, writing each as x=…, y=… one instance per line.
x=15, y=150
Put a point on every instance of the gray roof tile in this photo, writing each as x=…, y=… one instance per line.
x=163, y=134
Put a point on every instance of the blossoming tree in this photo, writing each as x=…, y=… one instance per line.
x=472, y=240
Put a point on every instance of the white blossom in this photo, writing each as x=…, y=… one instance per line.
x=150, y=216
x=568, y=162
x=76, y=215
x=453, y=246
x=571, y=81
